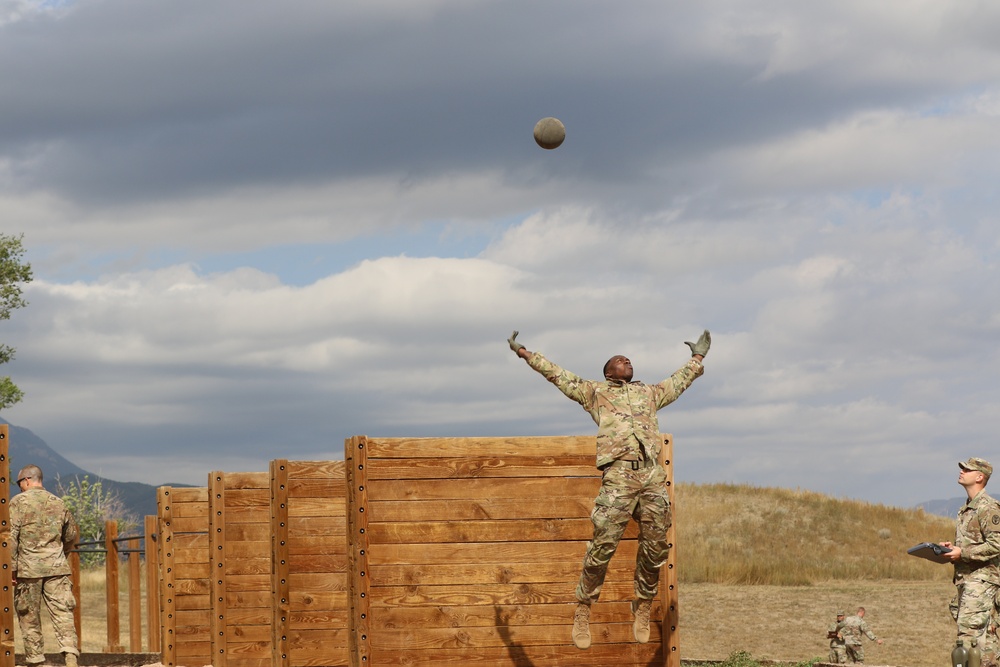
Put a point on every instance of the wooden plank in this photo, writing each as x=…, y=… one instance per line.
x=243, y=632
x=515, y=488
x=452, y=532
x=246, y=480
x=414, y=448
x=188, y=524
x=248, y=566
x=330, y=563
x=311, y=600
x=315, y=488
x=326, y=619
x=455, y=616
x=475, y=638
x=489, y=594
x=190, y=602
x=307, y=526
x=193, y=570
x=255, y=497
x=430, y=574
x=388, y=554
x=191, y=510
x=168, y=608
x=316, y=507
x=181, y=494
x=318, y=582
x=247, y=549
x=248, y=532
x=461, y=509
x=598, y=655
x=467, y=467
x=318, y=470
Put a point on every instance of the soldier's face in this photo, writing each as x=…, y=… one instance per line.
x=619, y=368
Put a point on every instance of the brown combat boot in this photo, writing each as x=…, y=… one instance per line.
x=581, y=626
x=640, y=627
x=71, y=660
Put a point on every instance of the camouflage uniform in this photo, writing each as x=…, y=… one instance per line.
x=838, y=650
x=853, y=628
x=634, y=485
x=977, y=573
x=40, y=527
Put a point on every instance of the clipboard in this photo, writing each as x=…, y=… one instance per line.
x=931, y=551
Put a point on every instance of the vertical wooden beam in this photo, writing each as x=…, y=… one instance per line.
x=168, y=633
x=151, y=552
x=279, y=564
x=74, y=577
x=134, y=597
x=111, y=587
x=359, y=635
x=217, y=564
x=668, y=575
x=6, y=583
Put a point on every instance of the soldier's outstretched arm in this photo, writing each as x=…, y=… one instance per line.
x=517, y=348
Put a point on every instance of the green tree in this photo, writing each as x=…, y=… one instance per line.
x=92, y=506
x=13, y=272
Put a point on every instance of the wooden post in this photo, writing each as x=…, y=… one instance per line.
x=74, y=576
x=279, y=564
x=217, y=560
x=168, y=613
x=134, y=596
x=356, y=458
x=6, y=585
x=151, y=553
x=111, y=587
x=668, y=575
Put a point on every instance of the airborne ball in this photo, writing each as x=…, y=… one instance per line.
x=550, y=133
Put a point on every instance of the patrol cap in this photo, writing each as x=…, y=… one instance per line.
x=840, y=613
x=980, y=465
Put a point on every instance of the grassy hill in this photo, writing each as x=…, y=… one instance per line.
x=740, y=534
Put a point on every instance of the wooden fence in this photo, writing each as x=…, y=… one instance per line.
x=6, y=586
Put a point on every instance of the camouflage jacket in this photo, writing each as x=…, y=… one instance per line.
x=625, y=412
x=978, y=536
x=853, y=628
x=40, y=527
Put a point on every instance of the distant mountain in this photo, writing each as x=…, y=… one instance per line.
x=27, y=448
x=948, y=508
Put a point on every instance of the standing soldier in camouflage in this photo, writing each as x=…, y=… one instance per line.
x=41, y=531
x=633, y=486
x=976, y=555
x=838, y=650
x=854, y=627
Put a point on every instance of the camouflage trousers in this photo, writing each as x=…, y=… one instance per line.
x=838, y=654
x=974, y=609
x=57, y=593
x=855, y=653
x=628, y=494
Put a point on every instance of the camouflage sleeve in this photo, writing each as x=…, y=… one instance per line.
x=70, y=532
x=570, y=384
x=15, y=531
x=989, y=548
x=868, y=631
x=668, y=390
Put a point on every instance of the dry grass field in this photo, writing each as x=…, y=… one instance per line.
x=765, y=571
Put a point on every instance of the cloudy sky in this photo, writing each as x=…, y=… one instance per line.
x=260, y=228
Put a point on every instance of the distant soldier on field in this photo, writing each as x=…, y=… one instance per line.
x=838, y=649
x=976, y=555
x=854, y=627
x=42, y=529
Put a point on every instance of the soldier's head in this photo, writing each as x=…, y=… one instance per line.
x=840, y=615
x=30, y=475
x=861, y=612
x=974, y=471
x=618, y=368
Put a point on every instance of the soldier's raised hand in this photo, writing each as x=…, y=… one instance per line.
x=701, y=347
x=514, y=345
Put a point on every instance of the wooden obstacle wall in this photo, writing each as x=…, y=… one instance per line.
x=264, y=572
x=468, y=551
x=185, y=585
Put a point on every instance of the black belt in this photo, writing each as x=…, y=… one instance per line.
x=635, y=465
